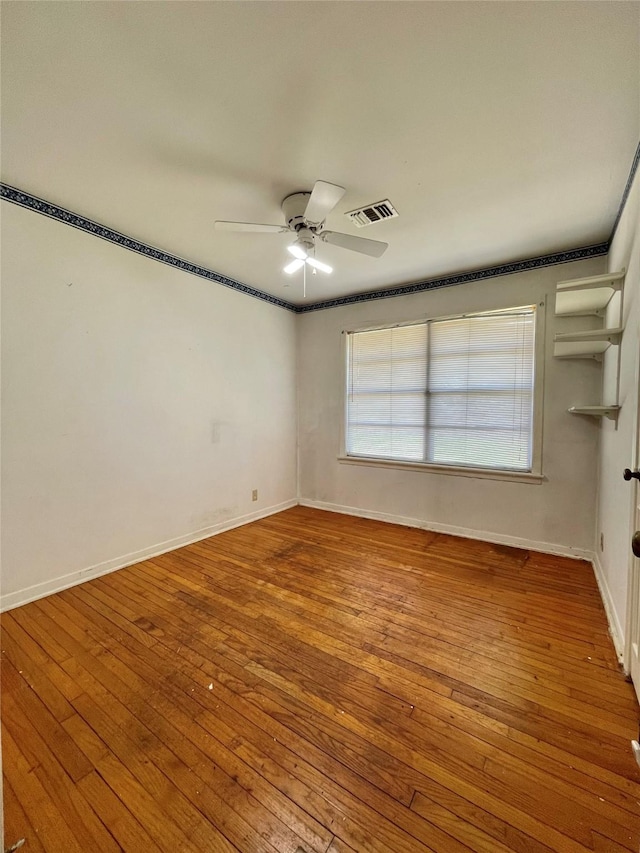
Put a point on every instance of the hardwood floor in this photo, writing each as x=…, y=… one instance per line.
x=319, y=682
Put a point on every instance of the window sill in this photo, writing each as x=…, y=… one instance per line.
x=456, y=471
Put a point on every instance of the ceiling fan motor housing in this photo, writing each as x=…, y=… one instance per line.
x=293, y=208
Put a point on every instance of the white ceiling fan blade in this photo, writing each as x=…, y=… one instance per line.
x=294, y=266
x=324, y=198
x=318, y=265
x=219, y=225
x=374, y=248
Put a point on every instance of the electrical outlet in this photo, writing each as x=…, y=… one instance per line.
x=254, y=495
x=602, y=541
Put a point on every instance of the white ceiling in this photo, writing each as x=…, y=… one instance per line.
x=500, y=131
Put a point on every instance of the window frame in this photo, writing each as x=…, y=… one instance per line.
x=534, y=476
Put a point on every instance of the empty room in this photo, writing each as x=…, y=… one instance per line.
x=320, y=426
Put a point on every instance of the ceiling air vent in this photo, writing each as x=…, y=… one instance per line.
x=372, y=213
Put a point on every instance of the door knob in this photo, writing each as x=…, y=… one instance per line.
x=635, y=543
x=628, y=474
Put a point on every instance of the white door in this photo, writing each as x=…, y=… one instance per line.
x=633, y=612
x=635, y=599
x=635, y=590
x=633, y=649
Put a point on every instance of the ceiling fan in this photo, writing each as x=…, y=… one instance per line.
x=305, y=214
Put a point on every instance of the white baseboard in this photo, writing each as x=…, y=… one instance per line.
x=40, y=590
x=453, y=530
x=615, y=629
x=32, y=593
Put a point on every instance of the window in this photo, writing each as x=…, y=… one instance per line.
x=456, y=391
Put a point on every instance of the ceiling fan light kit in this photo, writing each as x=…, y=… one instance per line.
x=302, y=259
x=318, y=265
x=298, y=250
x=305, y=214
x=294, y=266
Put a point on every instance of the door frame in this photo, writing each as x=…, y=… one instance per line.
x=633, y=592
x=633, y=586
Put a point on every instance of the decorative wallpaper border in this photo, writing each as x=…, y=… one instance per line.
x=625, y=194
x=54, y=211
x=462, y=278
x=503, y=269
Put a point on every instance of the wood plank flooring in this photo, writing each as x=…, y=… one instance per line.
x=315, y=682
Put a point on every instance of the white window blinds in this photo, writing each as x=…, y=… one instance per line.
x=448, y=392
x=386, y=393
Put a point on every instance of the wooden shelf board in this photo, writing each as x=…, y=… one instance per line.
x=581, y=302
x=560, y=353
x=610, y=412
x=611, y=336
x=580, y=349
x=613, y=280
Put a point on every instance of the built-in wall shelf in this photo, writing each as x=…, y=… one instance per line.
x=579, y=349
x=587, y=296
x=611, y=336
x=584, y=343
x=610, y=412
x=592, y=297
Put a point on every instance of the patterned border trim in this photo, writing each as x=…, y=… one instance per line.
x=625, y=194
x=54, y=211
x=462, y=278
x=503, y=269
x=60, y=213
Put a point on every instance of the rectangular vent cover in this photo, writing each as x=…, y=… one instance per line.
x=372, y=213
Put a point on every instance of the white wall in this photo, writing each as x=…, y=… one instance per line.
x=558, y=514
x=617, y=446
x=141, y=406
